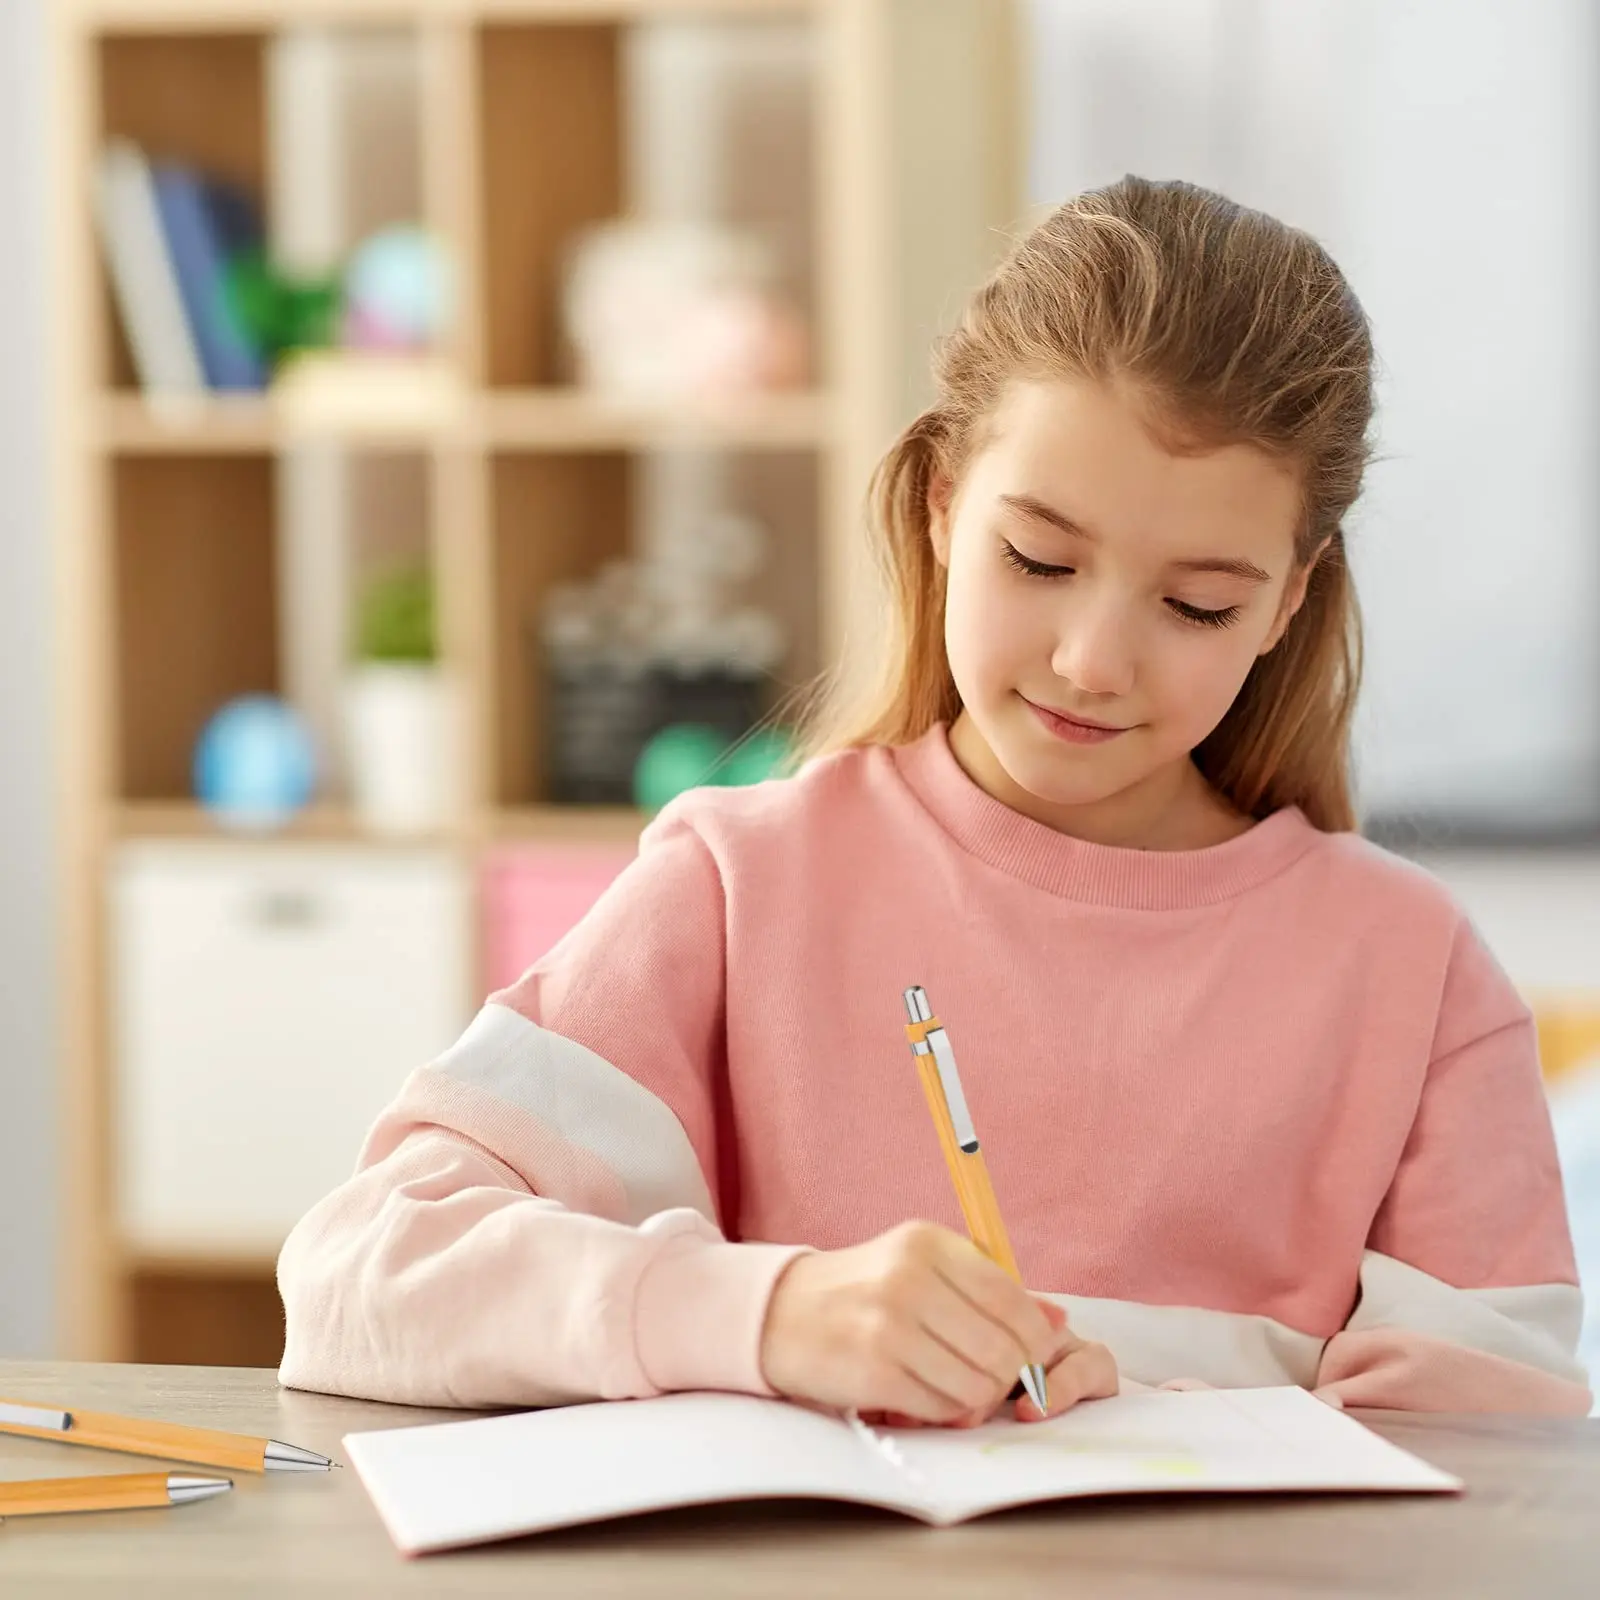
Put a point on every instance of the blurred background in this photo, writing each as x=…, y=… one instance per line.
x=429, y=441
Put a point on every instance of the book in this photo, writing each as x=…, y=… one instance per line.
x=144, y=281
x=208, y=224
x=451, y=1484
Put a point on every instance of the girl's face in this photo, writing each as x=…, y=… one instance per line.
x=1106, y=601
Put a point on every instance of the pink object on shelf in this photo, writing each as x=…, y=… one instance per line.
x=534, y=895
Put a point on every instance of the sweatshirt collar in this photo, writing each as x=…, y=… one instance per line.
x=1107, y=875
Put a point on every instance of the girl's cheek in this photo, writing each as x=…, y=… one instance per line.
x=1214, y=682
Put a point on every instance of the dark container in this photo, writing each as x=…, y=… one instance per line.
x=599, y=717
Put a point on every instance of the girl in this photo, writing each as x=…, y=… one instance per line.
x=1259, y=1106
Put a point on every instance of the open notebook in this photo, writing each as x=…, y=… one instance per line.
x=458, y=1483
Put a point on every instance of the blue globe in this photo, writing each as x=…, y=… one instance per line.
x=398, y=288
x=255, y=764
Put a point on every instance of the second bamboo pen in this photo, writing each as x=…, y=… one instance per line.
x=136, y=1436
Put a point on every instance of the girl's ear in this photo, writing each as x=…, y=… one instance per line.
x=940, y=494
x=1294, y=596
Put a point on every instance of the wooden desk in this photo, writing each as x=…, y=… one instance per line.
x=1530, y=1526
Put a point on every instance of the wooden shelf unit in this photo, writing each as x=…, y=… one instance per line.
x=224, y=16
x=530, y=419
x=166, y=517
x=565, y=824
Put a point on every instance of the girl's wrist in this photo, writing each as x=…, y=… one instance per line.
x=700, y=1311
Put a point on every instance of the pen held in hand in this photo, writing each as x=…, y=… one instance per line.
x=947, y=1101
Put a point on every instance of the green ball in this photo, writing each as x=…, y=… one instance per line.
x=755, y=759
x=682, y=756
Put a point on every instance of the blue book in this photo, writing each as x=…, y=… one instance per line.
x=207, y=225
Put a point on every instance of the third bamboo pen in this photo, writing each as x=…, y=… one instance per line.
x=124, y=1492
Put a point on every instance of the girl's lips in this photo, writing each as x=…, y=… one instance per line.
x=1071, y=729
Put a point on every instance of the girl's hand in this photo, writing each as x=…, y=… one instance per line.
x=1080, y=1370
x=917, y=1323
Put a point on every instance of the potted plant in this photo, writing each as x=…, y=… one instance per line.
x=400, y=718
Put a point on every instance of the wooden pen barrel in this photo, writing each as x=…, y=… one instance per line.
x=988, y=1231
x=127, y=1492
x=170, y=1441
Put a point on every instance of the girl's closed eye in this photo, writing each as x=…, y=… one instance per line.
x=1034, y=569
x=1198, y=616
x=1201, y=617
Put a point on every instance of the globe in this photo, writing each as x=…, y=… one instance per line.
x=398, y=292
x=255, y=764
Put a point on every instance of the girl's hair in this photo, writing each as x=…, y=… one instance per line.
x=1234, y=329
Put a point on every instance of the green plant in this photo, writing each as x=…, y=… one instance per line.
x=395, y=621
x=284, y=313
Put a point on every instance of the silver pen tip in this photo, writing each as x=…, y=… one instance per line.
x=181, y=1489
x=1033, y=1382
x=280, y=1457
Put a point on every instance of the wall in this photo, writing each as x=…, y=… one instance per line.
x=27, y=1086
x=1446, y=152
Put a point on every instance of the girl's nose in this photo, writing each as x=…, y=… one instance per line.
x=1094, y=652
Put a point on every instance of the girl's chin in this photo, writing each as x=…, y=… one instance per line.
x=1040, y=777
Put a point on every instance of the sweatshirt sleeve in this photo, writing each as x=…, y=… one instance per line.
x=532, y=1221
x=1468, y=1292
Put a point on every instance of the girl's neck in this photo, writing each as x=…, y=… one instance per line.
x=1172, y=809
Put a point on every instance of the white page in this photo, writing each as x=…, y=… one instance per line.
x=459, y=1483
x=1165, y=1442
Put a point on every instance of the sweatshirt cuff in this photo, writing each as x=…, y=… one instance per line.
x=699, y=1313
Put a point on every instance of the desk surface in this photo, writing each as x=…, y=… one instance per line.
x=1530, y=1524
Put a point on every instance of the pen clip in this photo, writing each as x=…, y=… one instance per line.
x=927, y=1035
x=944, y=1058
x=15, y=1416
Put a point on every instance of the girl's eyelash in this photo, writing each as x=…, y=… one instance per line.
x=1203, y=618
x=1034, y=569
x=1197, y=615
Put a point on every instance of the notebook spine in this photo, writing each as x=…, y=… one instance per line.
x=887, y=1448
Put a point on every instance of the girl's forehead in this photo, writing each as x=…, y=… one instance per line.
x=1090, y=450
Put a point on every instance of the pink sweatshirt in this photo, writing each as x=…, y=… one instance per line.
x=1261, y=1113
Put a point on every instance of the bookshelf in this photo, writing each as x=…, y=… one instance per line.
x=161, y=620
x=513, y=419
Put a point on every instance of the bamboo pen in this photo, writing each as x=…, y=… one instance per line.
x=129, y=1491
x=941, y=1085
x=203, y=1446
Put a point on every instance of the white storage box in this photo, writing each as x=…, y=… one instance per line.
x=268, y=1000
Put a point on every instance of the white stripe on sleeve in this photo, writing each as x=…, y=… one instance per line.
x=582, y=1098
x=1536, y=1324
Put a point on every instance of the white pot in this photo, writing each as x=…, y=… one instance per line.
x=404, y=765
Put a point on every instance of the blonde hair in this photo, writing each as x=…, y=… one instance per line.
x=1234, y=328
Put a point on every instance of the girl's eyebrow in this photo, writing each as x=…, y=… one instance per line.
x=1230, y=566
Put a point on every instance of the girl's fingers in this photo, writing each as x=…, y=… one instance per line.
x=1066, y=1340
x=1087, y=1373
x=993, y=1352
x=944, y=1366
x=907, y=1395
x=950, y=1326
x=994, y=1294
